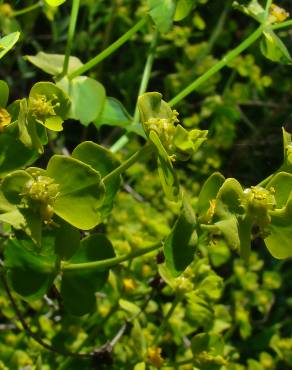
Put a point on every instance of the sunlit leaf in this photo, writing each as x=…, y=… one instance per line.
x=54, y=2
x=162, y=13
x=87, y=98
x=103, y=161
x=53, y=63
x=7, y=43
x=81, y=191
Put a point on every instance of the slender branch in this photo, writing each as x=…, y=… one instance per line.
x=71, y=32
x=267, y=9
x=277, y=26
x=218, y=66
x=110, y=262
x=144, y=151
x=109, y=50
x=28, y=9
x=146, y=73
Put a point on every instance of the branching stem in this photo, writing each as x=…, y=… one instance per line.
x=28, y=9
x=218, y=66
x=109, y=50
x=110, y=262
x=142, y=153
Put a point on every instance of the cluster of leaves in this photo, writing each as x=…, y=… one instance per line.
x=61, y=241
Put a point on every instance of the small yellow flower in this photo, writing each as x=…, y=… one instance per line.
x=5, y=119
x=6, y=10
x=154, y=357
x=41, y=107
x=211, y=210
x=278, y=14
x=129, y=285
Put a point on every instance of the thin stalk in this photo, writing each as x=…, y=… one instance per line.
x=166, y=319
x=218, y=66
x=119, y=144
x=110, y=262
x=123, y=140
x=278, y=26
x=109, y=50
x=267, y=9
x=28, y=9
x=71, y=32
x=145, y=150
x=146, y=73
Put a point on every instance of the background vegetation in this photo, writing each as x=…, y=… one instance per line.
x=247, y=306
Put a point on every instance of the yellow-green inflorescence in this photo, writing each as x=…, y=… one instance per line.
x=278, y=14
x=257, y=202
x=5, y=119
x=165, y=129
x=42, y=192
x=41, y=107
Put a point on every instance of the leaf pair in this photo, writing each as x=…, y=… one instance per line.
x=70, y=188
x=227, y=209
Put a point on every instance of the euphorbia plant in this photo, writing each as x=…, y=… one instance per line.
x=51, y=216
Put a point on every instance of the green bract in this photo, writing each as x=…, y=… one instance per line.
x=48, y=105
x=172, y=142
x=148, y=261
x=7, y=43
x=87, y=98
x=38, y=194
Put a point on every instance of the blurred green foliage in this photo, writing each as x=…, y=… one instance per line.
x=233, y=315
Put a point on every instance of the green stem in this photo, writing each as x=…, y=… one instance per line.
x=145, y=150
x=71, y=32
x=278, y=26
x=146, y=73
x=110, y=262
x=268, y=5
x=218, y=66
x=119, y=144
x=28, y=9
x=109, y=50
x=123, y=140
x=166, y=319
